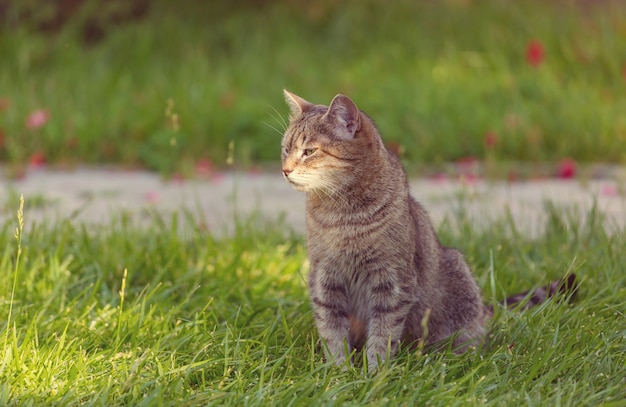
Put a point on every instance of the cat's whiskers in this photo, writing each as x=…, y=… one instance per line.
x=337, y=193
x=327, y=194
x=328, y=187
x=279, y=118
x=334, y=185
x=280, y=121
x=273, y=128
x=319, y=193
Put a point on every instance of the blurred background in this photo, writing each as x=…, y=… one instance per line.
x=185, y=86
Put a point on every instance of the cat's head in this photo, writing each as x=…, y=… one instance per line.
x=325, y=147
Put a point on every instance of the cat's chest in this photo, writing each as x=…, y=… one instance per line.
x=356, y=242
x=360, y=237
x=346, y=234
x=358, y=224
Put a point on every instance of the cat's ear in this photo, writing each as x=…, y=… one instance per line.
x=345, y=115
x=296, y=104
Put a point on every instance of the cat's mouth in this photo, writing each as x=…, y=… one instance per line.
x=297, y=185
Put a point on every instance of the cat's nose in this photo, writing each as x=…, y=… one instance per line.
x=286, y=172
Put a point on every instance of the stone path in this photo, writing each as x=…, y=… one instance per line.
x=96, y=195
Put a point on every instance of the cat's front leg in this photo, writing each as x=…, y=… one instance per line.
x=386, y=327
x=330, y=305
x=332, y=325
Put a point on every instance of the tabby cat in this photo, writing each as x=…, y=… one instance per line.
x=379, y=274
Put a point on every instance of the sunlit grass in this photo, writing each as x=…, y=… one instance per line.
x=169, y=315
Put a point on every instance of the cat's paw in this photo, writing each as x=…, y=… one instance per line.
x=374, y=362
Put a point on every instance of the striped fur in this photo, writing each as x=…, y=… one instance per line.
x=379, y=274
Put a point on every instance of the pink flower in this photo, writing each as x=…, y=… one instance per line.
x=440, y=178
x=567, y=168
x=535, y=53
x=609, y=190
x=152, y=197
x=4, y=103
x=37, y=119
x=204, y=167
x=217, y=177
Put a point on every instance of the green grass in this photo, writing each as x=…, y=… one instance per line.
x=169, y=315
x=436, y=76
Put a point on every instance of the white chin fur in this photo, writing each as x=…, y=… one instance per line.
x=307, y=183
x=298, y=187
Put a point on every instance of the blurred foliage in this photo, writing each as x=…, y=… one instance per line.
x=437, y=76
x=89, y=19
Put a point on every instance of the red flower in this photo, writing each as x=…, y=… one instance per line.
x=535, y=53
x=567, y=168
x=37, y=118
x=37, y=160
x=491, y=139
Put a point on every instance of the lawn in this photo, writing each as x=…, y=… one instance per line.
x=517, y=81
x=170, y=314
x=119, y=315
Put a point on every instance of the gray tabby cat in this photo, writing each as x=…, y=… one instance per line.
x=379, y=274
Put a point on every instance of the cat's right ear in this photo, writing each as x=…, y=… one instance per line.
x=296, y=104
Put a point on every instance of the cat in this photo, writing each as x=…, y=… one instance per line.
x=378, y=272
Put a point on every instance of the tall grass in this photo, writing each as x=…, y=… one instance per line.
x=436, y=76
x=118, y=315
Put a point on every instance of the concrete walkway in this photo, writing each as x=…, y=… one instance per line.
x=97, y=195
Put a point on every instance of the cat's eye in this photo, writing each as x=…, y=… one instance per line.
x=309, y=151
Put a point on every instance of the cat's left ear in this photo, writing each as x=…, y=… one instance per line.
x=345, y=115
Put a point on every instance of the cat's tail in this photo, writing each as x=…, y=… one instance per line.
x=564, y=288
